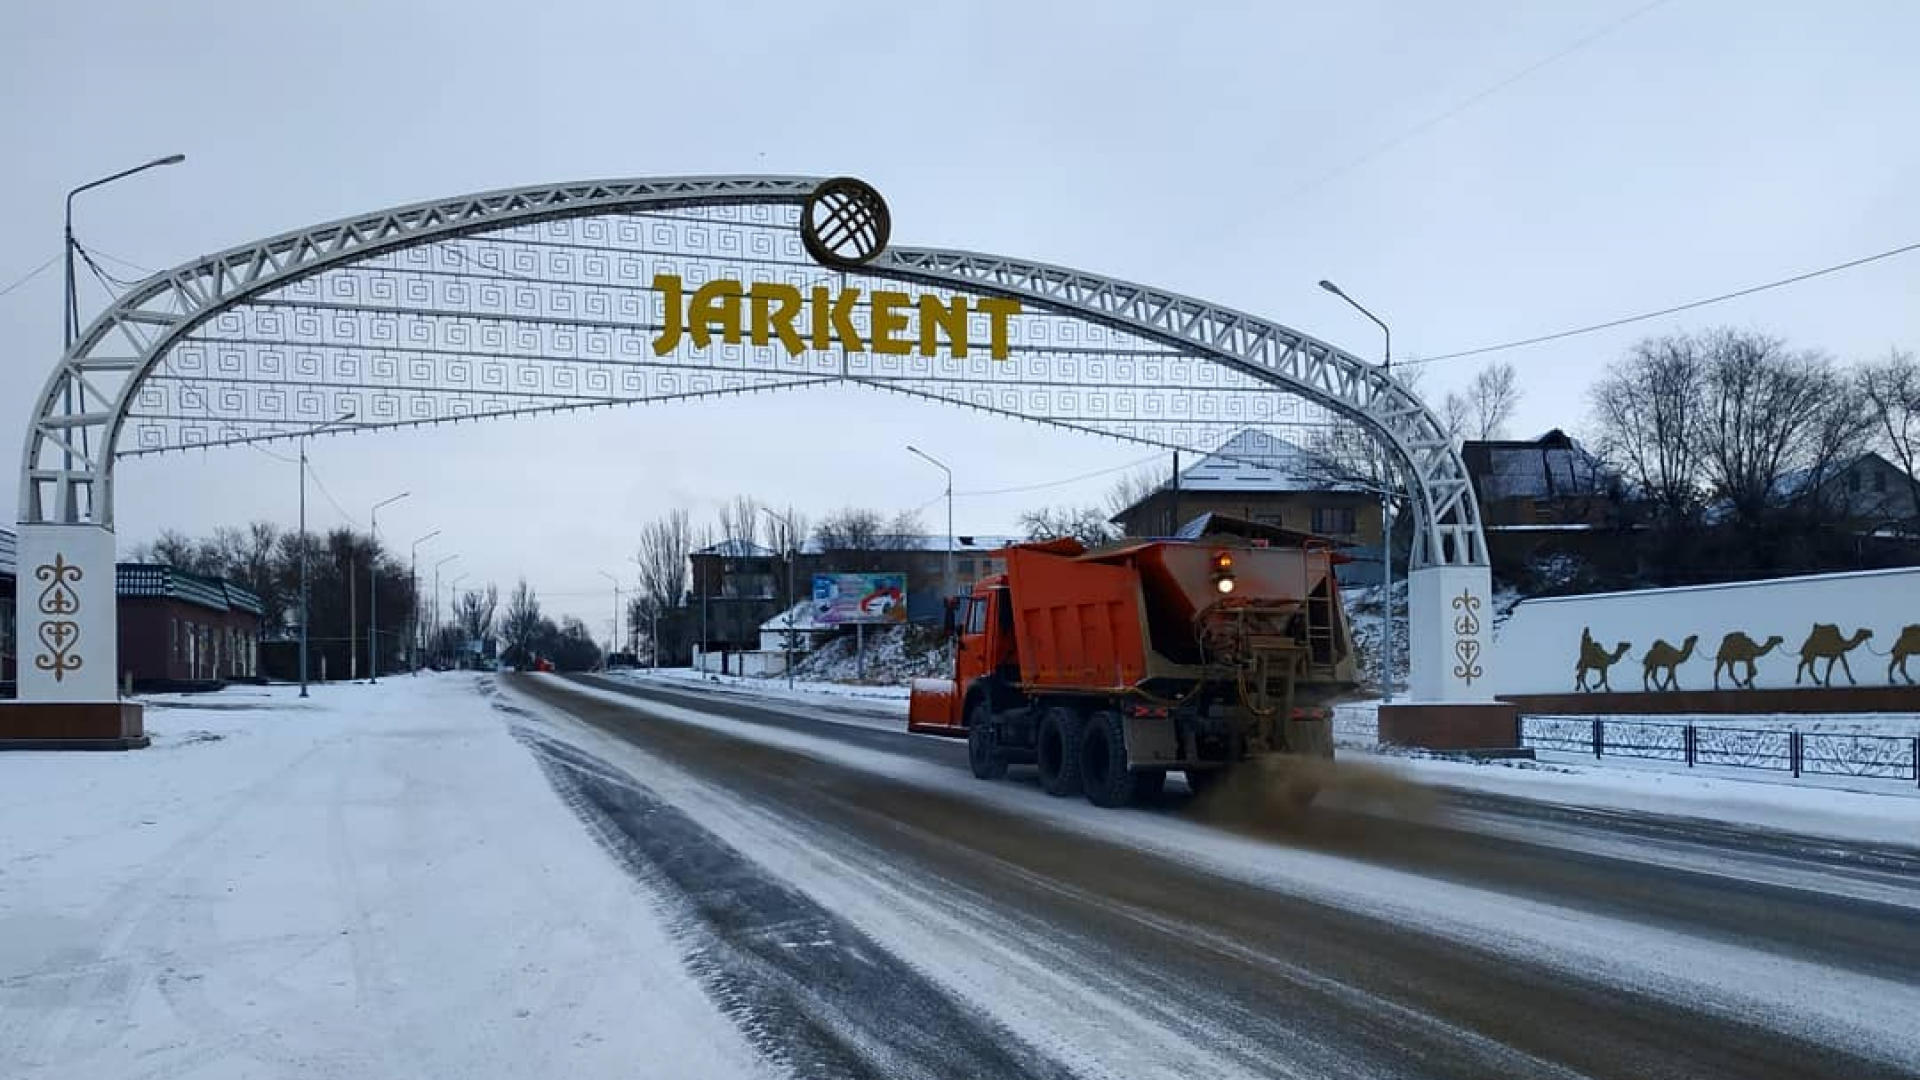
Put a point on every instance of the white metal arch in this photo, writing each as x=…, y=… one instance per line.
x=67, y=472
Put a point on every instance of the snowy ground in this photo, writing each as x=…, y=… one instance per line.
x=375, y=882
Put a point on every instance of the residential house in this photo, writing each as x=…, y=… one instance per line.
x=1874, y=495
x=1267, y=480
x=1548, y=481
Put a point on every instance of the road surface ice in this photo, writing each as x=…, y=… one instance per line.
x=376, y=882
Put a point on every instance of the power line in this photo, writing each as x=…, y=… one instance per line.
x=314, y=473
x=31, y=274
x=1060, y=483
x=1470, y=101
x=1688, y=306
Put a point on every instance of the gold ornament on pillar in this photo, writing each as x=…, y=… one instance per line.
x=60, y=633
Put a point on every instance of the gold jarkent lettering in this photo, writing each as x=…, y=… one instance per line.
x=948, y=317
x=889, y=318
x=717, y=303
x=773, y=310
x=999, y=312
x=775, y=306
x=668, y=286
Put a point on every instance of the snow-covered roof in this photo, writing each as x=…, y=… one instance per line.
x=732, y=548
x=1256, y=461
x=1551, y=466
x=158, y=580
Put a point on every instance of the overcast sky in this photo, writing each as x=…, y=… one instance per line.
x=1237, y=152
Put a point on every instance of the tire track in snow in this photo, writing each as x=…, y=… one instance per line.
x=810, y=991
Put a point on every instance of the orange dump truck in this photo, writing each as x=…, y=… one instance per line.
x=1108, y=668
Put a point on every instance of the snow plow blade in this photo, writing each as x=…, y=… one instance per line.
x=934, y=708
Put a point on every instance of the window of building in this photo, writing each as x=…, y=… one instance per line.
x=1880, y=481
x=1334, y=520
x=966, y=568
x=1853, y=483
x=173, y=638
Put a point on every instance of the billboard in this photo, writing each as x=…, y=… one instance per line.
x=859, y=598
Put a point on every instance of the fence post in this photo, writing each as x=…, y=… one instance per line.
x=1690, y=745
x=1794, y=750
x=1599, y=735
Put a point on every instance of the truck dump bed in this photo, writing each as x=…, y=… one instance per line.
x=1108, y=620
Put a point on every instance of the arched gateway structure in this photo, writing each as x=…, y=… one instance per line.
x=584, y=295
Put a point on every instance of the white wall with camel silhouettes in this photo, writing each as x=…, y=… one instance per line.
x=1772, y=634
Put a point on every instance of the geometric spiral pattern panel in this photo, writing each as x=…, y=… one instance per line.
x=562, y=314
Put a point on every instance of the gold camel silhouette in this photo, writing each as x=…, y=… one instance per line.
x=1663, y=658
x=1738, y=648
x=1594, y=660
x=1825, y=643
x=1908, y=645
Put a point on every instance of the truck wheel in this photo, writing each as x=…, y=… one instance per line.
x=1103, y=762
x=983, y=746
x=1058, y=751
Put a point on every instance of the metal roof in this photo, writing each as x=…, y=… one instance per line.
x=9, y=552
x=165, y=582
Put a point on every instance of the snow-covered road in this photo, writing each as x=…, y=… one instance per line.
x=1477, y=936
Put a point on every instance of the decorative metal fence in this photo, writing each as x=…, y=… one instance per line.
x=1884, y=757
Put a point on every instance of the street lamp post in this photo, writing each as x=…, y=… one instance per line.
x=613, y=643
x=436, y=590
x=373, y=589
x=71, y=316
x=70, y=313
x=304, y=615
x=453, y=589
x=793, y=545
x=950, y=593
x=1386, y=514
x=414, y=640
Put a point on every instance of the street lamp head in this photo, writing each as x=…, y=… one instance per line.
x=1331, y=287
x=170, y=159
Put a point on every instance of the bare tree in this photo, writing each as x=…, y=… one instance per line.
x=1493, y=396
x=1085, y=523
x=1891, y=390
x=1647, y=413
x=1136, y=485
x=741, y=520
x=521, y=628
x=1456, y=415
x=1776, y=423
x=904, y=530
x=665, y=544
x=788, y=530
x=850, y=529
x=473, y=612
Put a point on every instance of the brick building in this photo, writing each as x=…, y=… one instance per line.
x=181, y=630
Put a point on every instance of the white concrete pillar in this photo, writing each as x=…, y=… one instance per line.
x=1450, y=634
x=68, y=619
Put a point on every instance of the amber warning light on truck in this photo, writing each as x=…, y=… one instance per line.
x=1223, y=571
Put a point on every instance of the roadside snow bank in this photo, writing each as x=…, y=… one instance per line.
x=377, y=881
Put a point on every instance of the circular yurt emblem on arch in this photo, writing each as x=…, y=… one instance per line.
x=845, y=223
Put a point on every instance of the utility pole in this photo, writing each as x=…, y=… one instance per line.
x=1386, y=512
x=414, y=639
x=353, y=626
x=434, y=614
x=304, y=607
x=614, y=641
x=793, y=555
x=373, y=589
x=951, y=589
